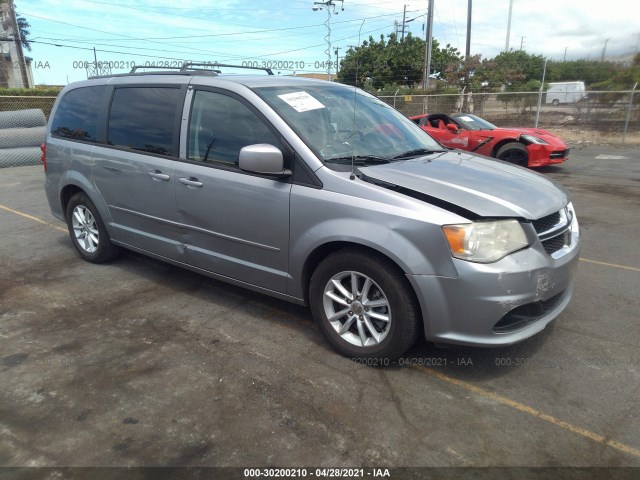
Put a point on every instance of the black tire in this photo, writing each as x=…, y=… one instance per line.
x=388, y=283
x=555, y=102
x=515, y=153
x=92, y=241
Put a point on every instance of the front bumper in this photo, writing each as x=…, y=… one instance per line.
x=497, y=304
x=541, y=155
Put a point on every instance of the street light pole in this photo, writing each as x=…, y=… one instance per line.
x=468, y=49
x=506, y=43
x=330, y=7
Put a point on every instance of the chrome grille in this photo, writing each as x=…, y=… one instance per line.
x=546, y=223
x=556, y=243
x=554, y=230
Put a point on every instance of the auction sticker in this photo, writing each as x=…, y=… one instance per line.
x=301, y=101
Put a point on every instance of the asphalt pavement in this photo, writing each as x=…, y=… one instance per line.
x=139, y=363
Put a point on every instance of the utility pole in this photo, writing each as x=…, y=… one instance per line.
x=404, y=18
x=637, y=43
x=330, y=7
x=544, y=73
x=522, y=42
x=428, y=45
x=564, y=59
x=468, y=51
x=506, y=45
x=604, y=50
x=18, y=41
x=337, y=59
x=404, y=24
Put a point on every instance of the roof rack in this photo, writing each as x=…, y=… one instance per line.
x=193, y=67
x=190, y=65
x=182, y=69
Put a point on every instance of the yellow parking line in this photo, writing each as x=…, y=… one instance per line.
x=614, y=265
x=31, y=217
x=530, y=411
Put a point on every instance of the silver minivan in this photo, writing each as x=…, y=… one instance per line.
x=316, y=193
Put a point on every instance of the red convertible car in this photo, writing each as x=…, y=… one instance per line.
x=527, y=147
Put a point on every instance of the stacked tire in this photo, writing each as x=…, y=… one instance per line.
x=21, y=134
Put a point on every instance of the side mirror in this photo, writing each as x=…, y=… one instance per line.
x=452, y=127
x=262, y=158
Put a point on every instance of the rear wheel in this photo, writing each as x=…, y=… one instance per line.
x=515, y=153
x=87, y=230
x=364, y=305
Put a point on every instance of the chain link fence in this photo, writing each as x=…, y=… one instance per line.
x=607, y=117
x=12, y=103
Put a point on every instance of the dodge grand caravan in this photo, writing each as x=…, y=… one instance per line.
x=316, y=193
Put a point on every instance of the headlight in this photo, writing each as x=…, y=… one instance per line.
x=485, y=242
x=532, y=139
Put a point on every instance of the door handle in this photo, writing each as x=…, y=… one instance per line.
x=158, y=175
x=190, y=182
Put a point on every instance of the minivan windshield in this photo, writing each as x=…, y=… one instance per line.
x=342, y=124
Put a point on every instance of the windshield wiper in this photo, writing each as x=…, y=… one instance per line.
x=418, y=152
x=358, y=160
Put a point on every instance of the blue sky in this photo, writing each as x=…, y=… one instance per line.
x=291, y=34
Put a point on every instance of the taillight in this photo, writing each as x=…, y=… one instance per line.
x=43, y=158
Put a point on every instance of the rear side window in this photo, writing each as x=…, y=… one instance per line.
x=77, y=115
x=144, y=118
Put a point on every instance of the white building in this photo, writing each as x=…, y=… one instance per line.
x=10, y=73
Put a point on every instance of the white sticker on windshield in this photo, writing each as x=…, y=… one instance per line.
x=301, y=101
x=466, y=119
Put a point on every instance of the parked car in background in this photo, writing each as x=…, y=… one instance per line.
x=565, y=92
x=526, y=147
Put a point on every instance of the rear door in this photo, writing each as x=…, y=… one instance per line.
x=236, y=223
x=135, y=172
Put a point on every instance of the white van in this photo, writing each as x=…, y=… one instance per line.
x=565, y=92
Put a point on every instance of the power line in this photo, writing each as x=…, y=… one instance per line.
x=199, y=8
x=210, y=35
x=231, y=57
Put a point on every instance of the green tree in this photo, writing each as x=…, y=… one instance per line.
x=587, y=71
x=513, y=69
x=390, y=61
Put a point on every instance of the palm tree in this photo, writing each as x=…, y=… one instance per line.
x=23, y=28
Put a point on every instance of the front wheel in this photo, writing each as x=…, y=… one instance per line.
x=364, y=305
x=515, y=153
x=87, y=230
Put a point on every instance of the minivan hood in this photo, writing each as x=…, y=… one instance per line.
x=484, y=186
